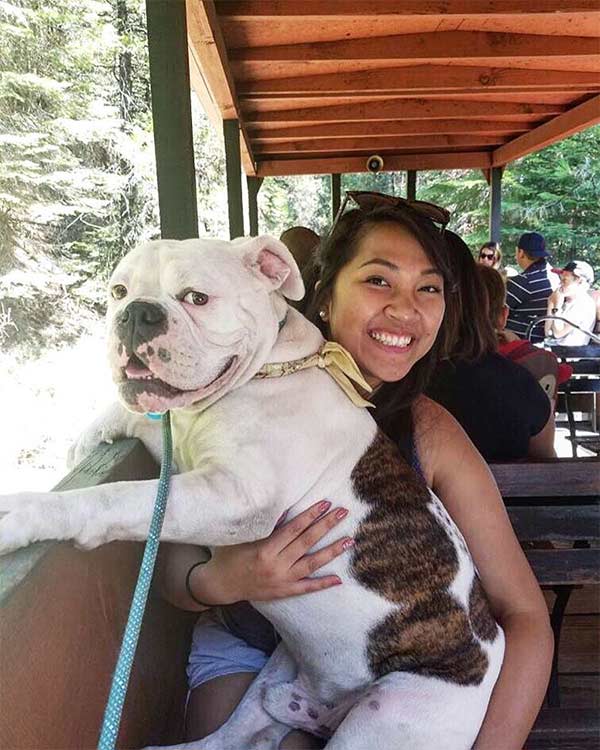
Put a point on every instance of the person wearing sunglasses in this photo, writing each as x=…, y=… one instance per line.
x=380, y=285
x=490, y=255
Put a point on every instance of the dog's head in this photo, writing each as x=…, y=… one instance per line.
x=191, y=319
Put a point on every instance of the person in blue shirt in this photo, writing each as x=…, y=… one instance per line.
x=527, y=294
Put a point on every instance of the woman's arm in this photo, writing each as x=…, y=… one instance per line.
x=472, y=499
x=271, y=568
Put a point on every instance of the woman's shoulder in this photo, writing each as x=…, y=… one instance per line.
x=437, y=436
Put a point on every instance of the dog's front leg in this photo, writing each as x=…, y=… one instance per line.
x=214, y=508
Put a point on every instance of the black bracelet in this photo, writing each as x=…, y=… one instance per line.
x=188, y=588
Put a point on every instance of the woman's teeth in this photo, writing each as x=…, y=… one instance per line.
x=390, y=339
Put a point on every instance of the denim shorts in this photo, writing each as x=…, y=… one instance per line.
x=216, y=651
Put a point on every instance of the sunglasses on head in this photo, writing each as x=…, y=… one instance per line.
x=366, y=201
x=487, y=256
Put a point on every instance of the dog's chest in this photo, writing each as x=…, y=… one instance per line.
x=409, y=551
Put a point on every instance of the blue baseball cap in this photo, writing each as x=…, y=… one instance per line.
x=534, y=244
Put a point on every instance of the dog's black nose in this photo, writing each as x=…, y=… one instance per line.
x=140, y=322
x=143, y=314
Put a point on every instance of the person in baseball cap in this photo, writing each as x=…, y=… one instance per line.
x=527, y=294
x=580, y=269
x=573, y=302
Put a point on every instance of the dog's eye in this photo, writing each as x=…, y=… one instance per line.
x=119, y=291
x=196, y=298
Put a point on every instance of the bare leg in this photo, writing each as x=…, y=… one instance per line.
x=213, y=702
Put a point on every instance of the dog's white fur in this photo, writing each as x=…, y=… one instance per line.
x=248, y=450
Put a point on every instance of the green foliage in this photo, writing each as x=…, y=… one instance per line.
x=78, y=183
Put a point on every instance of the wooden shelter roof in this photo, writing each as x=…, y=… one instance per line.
x=320, y=85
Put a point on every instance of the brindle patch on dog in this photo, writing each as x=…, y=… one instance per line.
x=403, y=552
x=482, y=622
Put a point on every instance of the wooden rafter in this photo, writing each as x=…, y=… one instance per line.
x=376, y=145
x=426, y=47
x=443, y=79
x=210, y=57
x=407, y=109
x=576, y=119
x=349, y=164
x=392, y=128
x=244, y=10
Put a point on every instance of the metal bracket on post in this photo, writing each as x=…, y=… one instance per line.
x=254, y=185
x=233, y=167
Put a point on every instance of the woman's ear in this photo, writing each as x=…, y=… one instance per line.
x=503, y=317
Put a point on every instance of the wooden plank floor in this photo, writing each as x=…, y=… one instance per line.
x=579, y=655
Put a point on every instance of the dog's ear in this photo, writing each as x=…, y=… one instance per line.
x=271, y=261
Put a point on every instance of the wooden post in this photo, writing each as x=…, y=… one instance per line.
x=254, y=184
x=496, y=204
x=336, y=194
x=172, y=118
x=233, y=167
x=411, y=184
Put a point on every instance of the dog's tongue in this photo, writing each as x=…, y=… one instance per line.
x=136, y=370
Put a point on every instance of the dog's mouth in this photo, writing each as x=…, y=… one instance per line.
x=137, y=378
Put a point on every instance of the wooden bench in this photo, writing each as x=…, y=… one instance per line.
x=62, y=613
x=554, y=507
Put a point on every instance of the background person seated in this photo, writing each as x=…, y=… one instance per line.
x=498, y=403
x=490, y=255
x=541, y=363
x=301, y=242
x=527, y=294
x=572, y=301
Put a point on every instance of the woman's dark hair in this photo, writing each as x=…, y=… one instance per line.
x=393, y=400
x=496, y=291
x=469, y=325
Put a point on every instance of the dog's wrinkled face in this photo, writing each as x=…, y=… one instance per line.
x=190, y=319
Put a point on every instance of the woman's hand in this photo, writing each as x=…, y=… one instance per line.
x=272, y=568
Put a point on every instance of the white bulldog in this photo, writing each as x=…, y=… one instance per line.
x=405, y=653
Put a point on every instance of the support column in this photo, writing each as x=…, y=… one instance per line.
x=495, y=204
x=254, y=184
x=411, y=184
x=336, y=194
x=233, y=167
x=172, y=118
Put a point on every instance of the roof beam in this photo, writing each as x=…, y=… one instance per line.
x=572, y=121
x=212, y=72
x=349, y=164
x=395, y=128
x=419, y=109
x=427, y=47
x=423, y=78
x=247, y=10
x=376, y=145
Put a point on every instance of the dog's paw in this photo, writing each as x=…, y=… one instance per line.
x=105, y=429
x=15, y=531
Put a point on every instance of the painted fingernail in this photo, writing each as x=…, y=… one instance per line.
x=347, y=543
x=341, y=513
x=325, y=505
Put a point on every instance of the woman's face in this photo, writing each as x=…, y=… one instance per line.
x=487, y=257
x=387, y=304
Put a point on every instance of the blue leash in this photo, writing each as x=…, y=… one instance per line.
x=120, y=681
